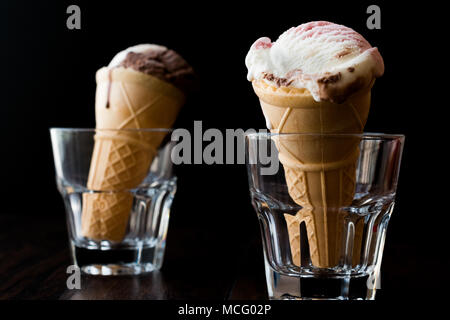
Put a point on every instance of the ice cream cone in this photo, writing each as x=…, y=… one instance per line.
x=319, y=170
x=125, y=99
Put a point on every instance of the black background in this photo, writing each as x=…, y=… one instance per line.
x=49, y=81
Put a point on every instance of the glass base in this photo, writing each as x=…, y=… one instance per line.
x=308, y=287
x=117, y=261
x=117, y=269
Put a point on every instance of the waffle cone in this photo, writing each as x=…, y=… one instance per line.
x=319, y=171
x=125, y=99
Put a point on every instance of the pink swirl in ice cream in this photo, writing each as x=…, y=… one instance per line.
x=331, y=61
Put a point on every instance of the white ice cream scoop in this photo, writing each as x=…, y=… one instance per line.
x=330, y=60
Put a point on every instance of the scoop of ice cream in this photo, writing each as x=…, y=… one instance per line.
x=158, y=61
x=331, y=61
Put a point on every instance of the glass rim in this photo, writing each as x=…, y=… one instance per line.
x=61, y=129
x=374, y=135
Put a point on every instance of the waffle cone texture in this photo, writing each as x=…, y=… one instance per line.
x=319, y=171
x=125, y=99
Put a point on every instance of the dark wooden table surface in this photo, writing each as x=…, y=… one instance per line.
x=34, y=255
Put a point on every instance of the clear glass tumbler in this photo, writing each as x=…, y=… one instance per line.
x=323, y=202
x=118, y=188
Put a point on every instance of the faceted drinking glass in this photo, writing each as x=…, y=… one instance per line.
x=323, y=202
x=117, y=225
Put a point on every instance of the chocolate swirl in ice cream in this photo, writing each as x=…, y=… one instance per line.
x=162, y=63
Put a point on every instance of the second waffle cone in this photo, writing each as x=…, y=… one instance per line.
x=125, y=99
x=319, y=170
